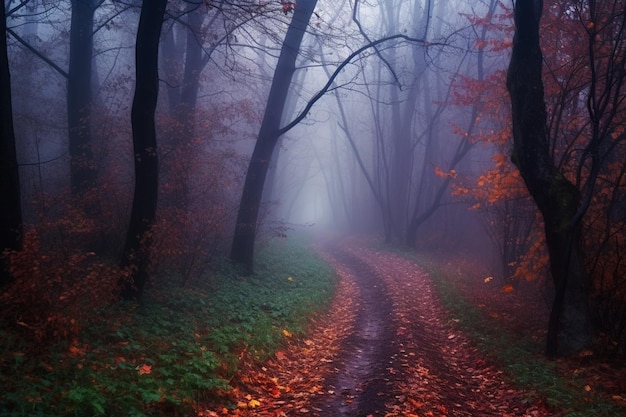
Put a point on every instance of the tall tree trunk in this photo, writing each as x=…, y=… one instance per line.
x=137, y=247
x=242, y=250
x=193, y=67
x=10, y=204
x=570, y=327
x=82, y=169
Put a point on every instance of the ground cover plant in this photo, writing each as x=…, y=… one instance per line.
x=507, y=328
x=181, y=345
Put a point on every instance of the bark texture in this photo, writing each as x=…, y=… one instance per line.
x=570, y=327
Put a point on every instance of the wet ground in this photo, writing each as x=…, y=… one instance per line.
x=404, y=355
x=385, y=348
x=361, y=384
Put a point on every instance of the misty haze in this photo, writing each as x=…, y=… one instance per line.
x=318, y=208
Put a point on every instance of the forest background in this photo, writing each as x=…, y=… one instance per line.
x=130, y=128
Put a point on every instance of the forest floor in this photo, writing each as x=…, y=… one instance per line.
x=387, y=347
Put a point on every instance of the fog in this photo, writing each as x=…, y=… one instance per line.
x=391, y=147
x=362, y=160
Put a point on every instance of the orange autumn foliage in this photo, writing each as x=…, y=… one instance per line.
x=584, y=95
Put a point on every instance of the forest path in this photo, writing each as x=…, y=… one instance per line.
x=363, y=379
x=385, y=348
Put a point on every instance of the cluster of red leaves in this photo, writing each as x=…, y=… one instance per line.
x=287, y=383
x=197, y=200
x=288, y=6
x=500, y=192
x=54, y=289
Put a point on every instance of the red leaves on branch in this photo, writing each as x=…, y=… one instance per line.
x=288, y=6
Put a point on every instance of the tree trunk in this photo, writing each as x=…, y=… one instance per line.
x=137, y=247
x=193, y=67
x=242, y=250
x=570, y=327
x=10, y=203
x=82, y=169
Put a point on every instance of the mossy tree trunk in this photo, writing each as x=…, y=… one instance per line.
x=570, y=325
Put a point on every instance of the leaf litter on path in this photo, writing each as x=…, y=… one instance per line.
x=417, y=365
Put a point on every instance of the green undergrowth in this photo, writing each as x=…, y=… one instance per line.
x=180, y=346
x=520, y=358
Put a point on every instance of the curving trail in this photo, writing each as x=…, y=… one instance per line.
x=421, y=365
x=362, y=383
x=385, y=348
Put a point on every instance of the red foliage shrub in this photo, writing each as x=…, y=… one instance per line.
x=54, y=291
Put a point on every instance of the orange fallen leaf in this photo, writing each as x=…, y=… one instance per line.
x=507, y=288
x=144, y=369
x=275, y=392
x=416, y=404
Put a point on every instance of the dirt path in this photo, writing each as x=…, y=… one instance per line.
x=362, y=382
x=386, y=348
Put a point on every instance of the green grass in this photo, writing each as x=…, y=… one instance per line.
x=520, y=358
x=180, y=346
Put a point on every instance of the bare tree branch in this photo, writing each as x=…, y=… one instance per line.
x=37, y=53
x=338, y=70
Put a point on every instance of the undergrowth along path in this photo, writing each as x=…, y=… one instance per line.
x=385, y=348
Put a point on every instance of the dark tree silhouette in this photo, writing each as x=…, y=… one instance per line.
x=557, y=198
x=136, y=249
x=10, y=205
x=82, y=171
x=242, y=251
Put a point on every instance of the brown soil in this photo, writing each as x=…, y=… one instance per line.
x=385, y=348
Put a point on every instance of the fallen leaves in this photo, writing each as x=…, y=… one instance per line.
x=442, y=374
x=435, y=371
x=144, y=369
x=76, y=350
x=285, y=384
x=507, y=288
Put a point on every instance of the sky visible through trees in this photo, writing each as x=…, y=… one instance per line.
x=489, y=128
